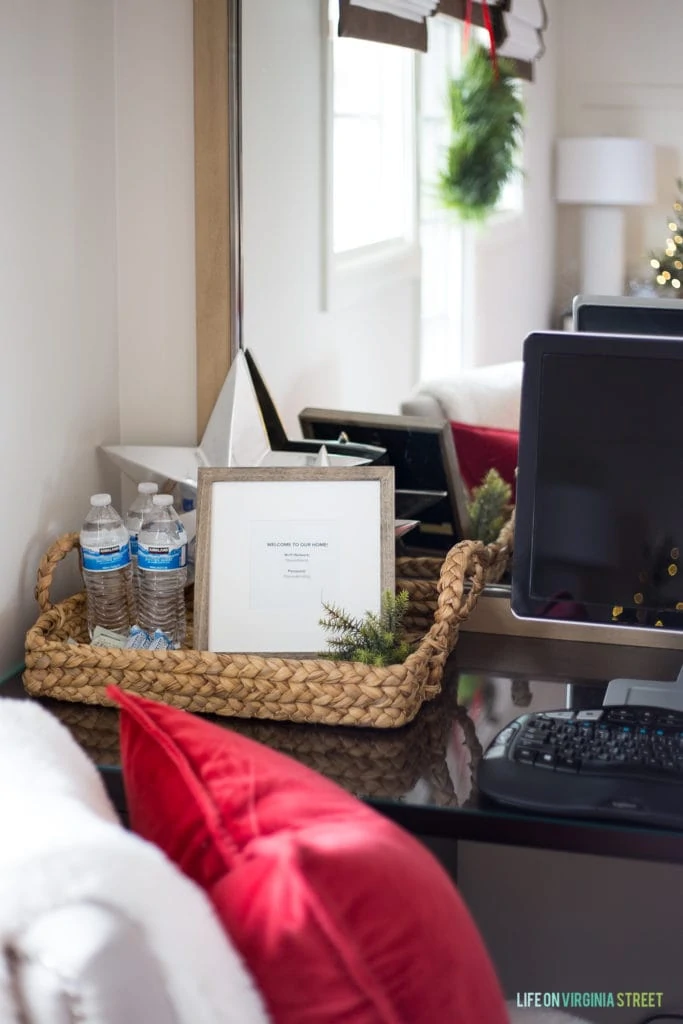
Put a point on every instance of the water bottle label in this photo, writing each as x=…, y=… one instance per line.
x=161, y=556
x=133, y=544
x=106, y=559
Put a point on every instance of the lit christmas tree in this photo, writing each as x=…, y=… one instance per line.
x=668, y=266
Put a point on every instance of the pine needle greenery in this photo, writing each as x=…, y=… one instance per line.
x=486, y=124
x=489, y=508
x=372, y=640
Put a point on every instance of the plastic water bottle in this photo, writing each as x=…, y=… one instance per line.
x=107, y=574
x=162, y=561
x=188, y=503
x=142, y=504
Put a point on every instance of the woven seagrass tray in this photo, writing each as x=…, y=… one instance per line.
x=60, y=663
x=378, y=763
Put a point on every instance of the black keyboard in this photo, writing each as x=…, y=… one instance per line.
x=614, y=762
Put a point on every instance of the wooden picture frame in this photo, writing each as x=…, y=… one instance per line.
x=423, y=453
x=273, y=544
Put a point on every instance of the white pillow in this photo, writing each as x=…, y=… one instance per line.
x=62, y=846
x=484, y=396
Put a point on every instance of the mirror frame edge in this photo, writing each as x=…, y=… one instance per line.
x=218, y=213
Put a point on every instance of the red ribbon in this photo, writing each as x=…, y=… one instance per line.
x=488, y=23
x=468, y=26
x=492, y=41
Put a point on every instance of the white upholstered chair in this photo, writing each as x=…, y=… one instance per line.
x=484, y=396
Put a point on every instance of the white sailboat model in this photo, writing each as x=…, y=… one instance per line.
x=235, y=436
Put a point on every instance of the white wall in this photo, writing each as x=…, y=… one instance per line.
x=155, y=220
x=59, y=389
x=511, y=259
x=620, y=73
x=364, y=356
x=97, y=252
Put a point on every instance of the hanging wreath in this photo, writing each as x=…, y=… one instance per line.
x=486, y=124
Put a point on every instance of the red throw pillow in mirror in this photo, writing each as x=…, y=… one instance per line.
x=339, y=914
x=480, y=449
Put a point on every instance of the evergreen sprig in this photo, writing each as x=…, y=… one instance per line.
x=376, y=639
x=489, y=507
x=487, y=115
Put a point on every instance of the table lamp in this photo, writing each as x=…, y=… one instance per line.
x=603, y=175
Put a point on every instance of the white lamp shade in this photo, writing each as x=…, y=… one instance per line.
x=606, y=172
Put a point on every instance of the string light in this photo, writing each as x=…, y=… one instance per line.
x=654, y=264
x=673, y=226
x=666, y=275
x=661, y=279
x=678, y=239
x=675, y=283
x=678, y=265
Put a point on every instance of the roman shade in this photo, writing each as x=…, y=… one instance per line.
x=524, y=21
x=517, y=25
x=398, y=22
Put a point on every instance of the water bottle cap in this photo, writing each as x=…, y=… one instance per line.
x=148, y=488
x=100, y=500
x=162, y=499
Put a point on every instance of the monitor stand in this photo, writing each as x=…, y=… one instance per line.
x=650, y=692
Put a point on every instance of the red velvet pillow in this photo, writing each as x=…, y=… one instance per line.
x=480, y=449
x=339, y=914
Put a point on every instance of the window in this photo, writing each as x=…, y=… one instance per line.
x=443, y=240
x=373, y=147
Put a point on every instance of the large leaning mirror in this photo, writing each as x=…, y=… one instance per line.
x=351, y=286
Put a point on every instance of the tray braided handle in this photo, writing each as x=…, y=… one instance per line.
x=466, y=570
x=48, y=563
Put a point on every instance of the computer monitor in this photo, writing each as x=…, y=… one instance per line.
x=620, y=314
x=599, y=508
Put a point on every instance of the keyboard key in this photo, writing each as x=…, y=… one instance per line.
x=672, y=718
x=525, y=755
x=567, y=764
x=546, y=760
x=589, y=716
x=621, y=715
x=532, y=744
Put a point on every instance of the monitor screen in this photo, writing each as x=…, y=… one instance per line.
x=628, y=315
x=599, y=527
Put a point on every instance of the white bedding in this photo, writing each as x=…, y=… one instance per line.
x=61, y=845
